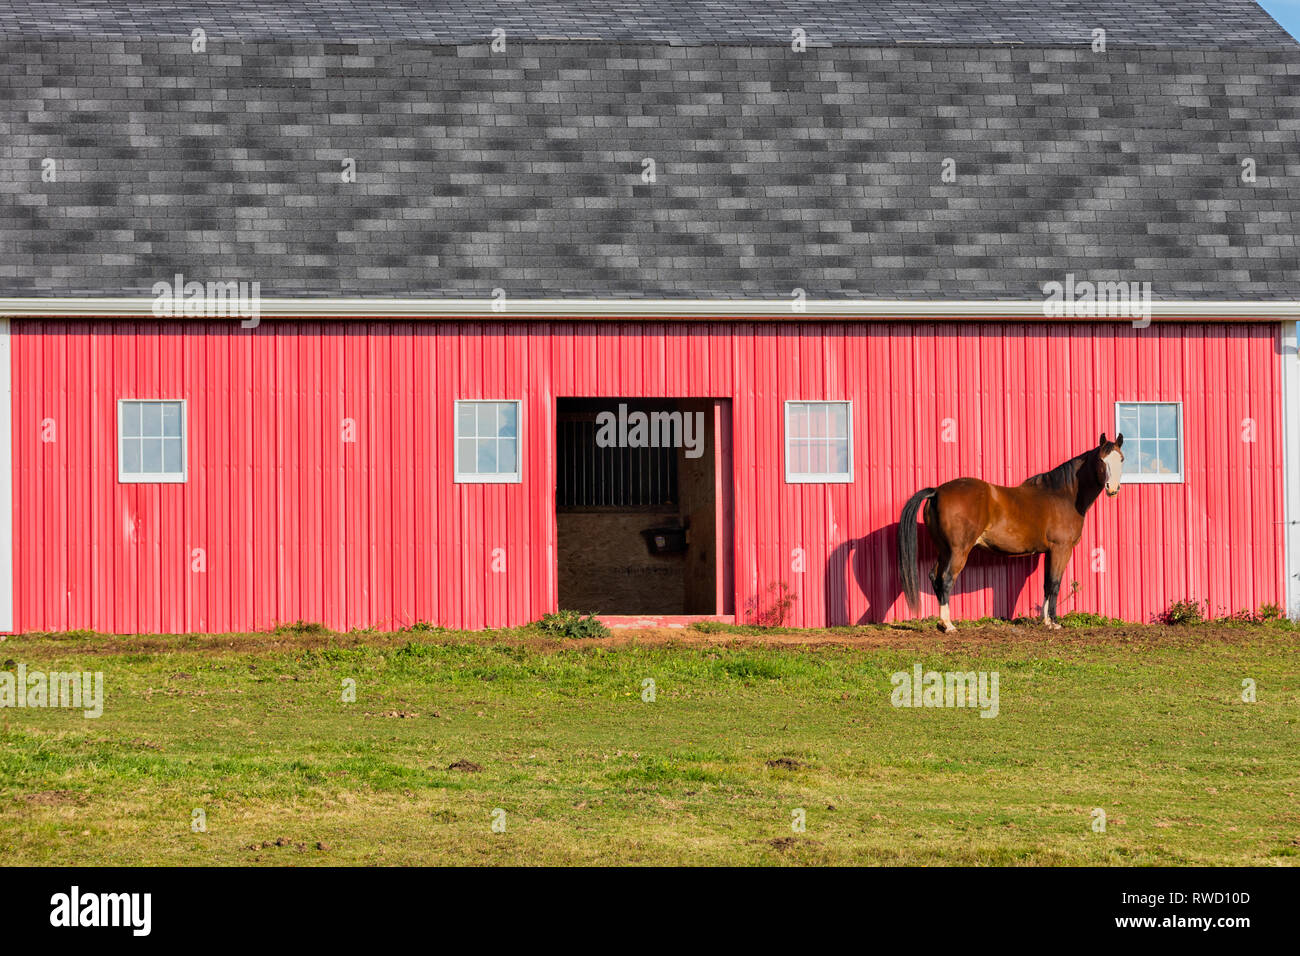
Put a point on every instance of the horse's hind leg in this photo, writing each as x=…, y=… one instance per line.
x=950, y=565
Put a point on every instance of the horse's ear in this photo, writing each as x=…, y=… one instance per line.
x=1119, y=440
x=1103, y=439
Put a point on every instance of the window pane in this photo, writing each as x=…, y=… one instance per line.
x=818, y=463
x=465, y=419
x=487, y=419
x=1147, y=415
x=506, y=414
x=130, y=456
x=1128, y=421
x=130, y=419
x=151, y=420
x=798, y=457
x=798, y=420
x=841, y=458
x=171, y=418
x=839, y=420
x=487, y=457
x=151, y=455
x=1167, y=416
x=1168, y=457
x=172, y=463
x=1146, y=457
x=814, y=418
x=465, y=453
x=506, y=456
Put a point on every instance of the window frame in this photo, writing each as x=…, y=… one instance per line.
x=151, y=478
x=810, y=478
x=474, y=478
x=1138, y=478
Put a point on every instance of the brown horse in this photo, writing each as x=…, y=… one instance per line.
x=1044, y=515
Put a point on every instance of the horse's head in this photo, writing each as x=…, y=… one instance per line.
x=1110, y=463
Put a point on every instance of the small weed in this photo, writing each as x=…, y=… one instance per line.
x=770, y=608
x=572, y=624
x=300, y=628
x=1182, y=613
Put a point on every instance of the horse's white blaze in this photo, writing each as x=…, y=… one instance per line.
x=1114, y=469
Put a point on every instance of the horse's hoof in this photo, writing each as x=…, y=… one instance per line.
x=949, y=629
x=1052, y=625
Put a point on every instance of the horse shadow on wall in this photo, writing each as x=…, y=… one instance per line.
x=870, y=564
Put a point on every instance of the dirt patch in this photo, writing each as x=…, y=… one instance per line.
x=785, y=763
x=280, y=842
x=466, y=766
x=398, y=714
x=52, y=798
x=787, y=844
x=284, y=843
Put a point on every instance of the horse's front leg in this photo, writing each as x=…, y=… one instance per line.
x=1057, y=559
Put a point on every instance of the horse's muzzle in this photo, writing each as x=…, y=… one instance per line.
x=1111, y=494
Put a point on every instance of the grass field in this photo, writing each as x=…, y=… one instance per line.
x=1146, y=723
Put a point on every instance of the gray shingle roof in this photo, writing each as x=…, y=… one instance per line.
x=1163, y=23
x=523, y=170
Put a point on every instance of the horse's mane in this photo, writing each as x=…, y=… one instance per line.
x=1064, y=475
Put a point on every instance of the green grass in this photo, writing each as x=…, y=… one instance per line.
x=1154, y=732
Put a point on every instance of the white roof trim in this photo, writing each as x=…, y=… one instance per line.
x=142, y=308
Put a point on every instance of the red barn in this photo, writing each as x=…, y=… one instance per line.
x=379, y=317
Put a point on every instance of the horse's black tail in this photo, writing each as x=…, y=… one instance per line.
x=907, y=547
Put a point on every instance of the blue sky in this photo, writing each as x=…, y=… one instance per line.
x=1285, y=12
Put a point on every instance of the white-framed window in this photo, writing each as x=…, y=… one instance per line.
x=487, y=442
x=1153, y=441
x=151, y=441
x=818, y=442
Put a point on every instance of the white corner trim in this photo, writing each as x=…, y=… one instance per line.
x=1291, y=462
x=769, y=308
x=6, y=485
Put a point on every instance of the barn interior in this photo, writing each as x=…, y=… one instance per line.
x=636, y=514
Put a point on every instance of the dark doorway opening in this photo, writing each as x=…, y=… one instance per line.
x=643, y=505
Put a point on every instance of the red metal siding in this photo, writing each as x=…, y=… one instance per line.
x=296, y=523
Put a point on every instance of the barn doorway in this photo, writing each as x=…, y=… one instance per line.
x=643, y=506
